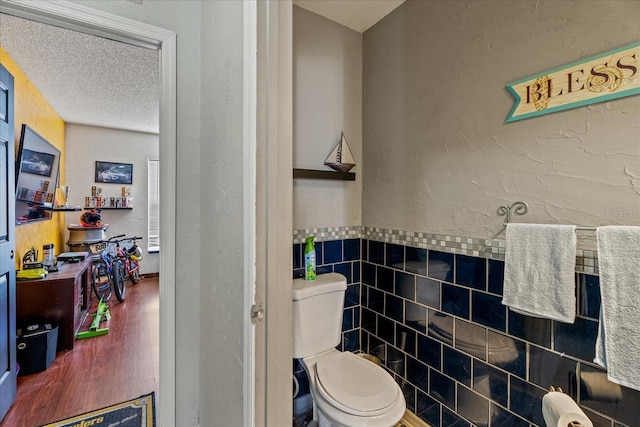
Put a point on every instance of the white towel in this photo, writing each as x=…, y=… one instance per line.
x=539, y=271
x=619, y=332
x=558, y=410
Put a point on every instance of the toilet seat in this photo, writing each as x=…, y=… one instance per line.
x=355, y=385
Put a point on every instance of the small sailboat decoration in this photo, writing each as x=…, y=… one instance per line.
x=341, y=158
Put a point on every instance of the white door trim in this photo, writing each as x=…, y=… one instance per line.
x=249, y=190
x=91, y=21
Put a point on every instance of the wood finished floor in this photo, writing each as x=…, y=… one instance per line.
x=99, y=371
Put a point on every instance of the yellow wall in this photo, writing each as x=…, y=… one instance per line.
x=34, y=110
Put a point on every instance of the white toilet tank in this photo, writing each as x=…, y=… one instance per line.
x=317, y=314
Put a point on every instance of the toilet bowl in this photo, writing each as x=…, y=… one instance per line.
x=350, y=391
x=347, y=390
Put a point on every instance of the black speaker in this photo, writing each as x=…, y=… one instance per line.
x=36, y=347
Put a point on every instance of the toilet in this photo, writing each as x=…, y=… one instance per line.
x=347, y=390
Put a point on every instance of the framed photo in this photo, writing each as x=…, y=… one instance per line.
x=36, y=162
x=114, y=173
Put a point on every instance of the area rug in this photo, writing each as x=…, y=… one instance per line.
x=139, y=412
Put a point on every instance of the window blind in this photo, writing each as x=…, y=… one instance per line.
x=153, y=209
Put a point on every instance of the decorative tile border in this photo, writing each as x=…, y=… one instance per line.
x=328, y=233
x=586, y=259
x=485, y=248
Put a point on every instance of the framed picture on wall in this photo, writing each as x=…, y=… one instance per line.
x=36, y=162
x=114, y=173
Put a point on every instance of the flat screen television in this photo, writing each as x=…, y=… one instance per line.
x=37, y=169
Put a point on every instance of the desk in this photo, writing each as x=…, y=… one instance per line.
x=63, y=298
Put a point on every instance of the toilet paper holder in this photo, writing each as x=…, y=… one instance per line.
x=572, y=423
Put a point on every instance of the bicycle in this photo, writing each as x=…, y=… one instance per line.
x=131, y=258
x=108, y=270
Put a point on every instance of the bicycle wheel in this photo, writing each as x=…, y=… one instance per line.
x=134, y=276
x=119, y=274
x=101, y=280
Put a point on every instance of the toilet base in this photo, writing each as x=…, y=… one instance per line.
x=323, y=421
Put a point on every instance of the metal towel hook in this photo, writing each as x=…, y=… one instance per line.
x=518, y=208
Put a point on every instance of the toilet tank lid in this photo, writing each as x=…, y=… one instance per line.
x=324, y=283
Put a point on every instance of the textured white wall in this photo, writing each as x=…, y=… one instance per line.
x=184, y=18
x=85, y=145
x=439, y=157
x=327, y=68
x=221, y=195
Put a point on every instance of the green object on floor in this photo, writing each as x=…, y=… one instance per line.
x=95, y=329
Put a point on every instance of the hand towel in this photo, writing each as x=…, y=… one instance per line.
x=619, y=334
x=559, y=409
x=539, y=271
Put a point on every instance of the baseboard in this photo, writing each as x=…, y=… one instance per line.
x=150, y=275
x=411, y=420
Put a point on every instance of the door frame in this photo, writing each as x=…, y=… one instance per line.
x=274, y=225
x=81, y=18
x=8, y=378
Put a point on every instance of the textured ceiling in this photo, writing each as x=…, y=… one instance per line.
x=86, y=79
x=94, y=81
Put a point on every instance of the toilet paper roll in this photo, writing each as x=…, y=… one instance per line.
x=596, y=386
x=558, y=410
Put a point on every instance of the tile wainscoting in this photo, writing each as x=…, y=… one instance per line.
x=429, y=306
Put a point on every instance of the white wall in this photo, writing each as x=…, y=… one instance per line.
x=184, y=18
x=221, y=195
x=439, y=157
x=85, y=145
x=327, y=67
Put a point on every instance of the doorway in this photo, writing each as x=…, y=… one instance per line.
x=94, y=22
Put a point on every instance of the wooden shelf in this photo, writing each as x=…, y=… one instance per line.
x=67, y=209
x=109, y=208
x=108, y=202
x=323, y=174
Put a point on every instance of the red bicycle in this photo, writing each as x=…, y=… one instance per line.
x=130, y=257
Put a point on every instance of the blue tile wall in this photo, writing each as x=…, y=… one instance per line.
x=344, y=257
x=332, y=252
x=589, y=288
x=471, y=272
x=475, y=362
x=394, y=255
x=491, y=382
x=455, y=300
x=437, y=322
x=430, y=352
x=428, y=292
x=489, y=311
x=472, y=406
x=457, y=365
x=471, y=339
x=351, y=250
x=450, y=418
x=426, y=408
x=496, y=276
x=418, y=373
